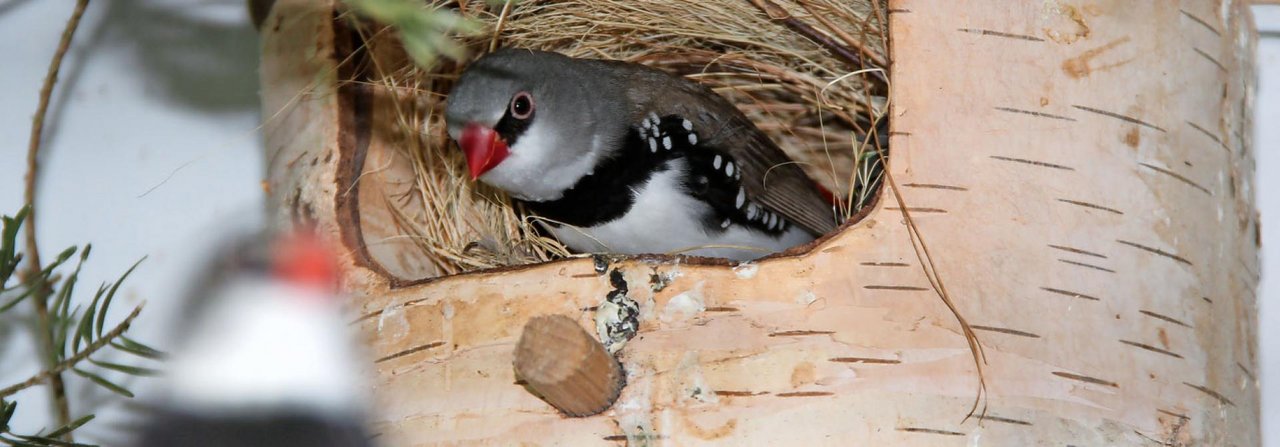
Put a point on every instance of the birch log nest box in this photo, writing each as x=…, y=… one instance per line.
x=1076, y=175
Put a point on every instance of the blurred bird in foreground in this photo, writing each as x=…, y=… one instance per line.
x=266, y=356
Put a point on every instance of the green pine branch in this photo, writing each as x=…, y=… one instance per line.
x=426, y=31
x=78, y=334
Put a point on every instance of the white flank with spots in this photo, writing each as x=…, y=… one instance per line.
x=665, y=219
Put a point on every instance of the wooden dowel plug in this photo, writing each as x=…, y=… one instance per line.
x=567, y=367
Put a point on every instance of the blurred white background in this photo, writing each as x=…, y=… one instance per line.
x=1266, y=143
x=154, y=146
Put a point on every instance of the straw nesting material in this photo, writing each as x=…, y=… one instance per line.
x=790, y=65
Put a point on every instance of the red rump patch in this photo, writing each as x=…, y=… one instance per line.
x=302, y=258
x=827, y=194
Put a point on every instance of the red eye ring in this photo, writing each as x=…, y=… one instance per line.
x=522, y=106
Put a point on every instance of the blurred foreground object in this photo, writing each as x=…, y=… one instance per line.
x=267, y=358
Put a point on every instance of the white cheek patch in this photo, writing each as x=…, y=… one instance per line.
x=536, y=171
x=533, y=146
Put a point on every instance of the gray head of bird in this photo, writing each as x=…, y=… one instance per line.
x=532, y=123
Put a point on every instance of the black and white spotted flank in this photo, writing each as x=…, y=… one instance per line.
x=662, y=168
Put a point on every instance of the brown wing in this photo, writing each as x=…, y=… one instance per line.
x=769, y=177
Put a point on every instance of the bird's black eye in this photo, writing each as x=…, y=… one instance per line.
x=522, y=106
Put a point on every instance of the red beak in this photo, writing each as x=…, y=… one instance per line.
x=483, y=147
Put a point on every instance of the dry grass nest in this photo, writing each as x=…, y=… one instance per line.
x=809, y=73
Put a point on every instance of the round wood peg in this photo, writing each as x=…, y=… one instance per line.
x=567, y=367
